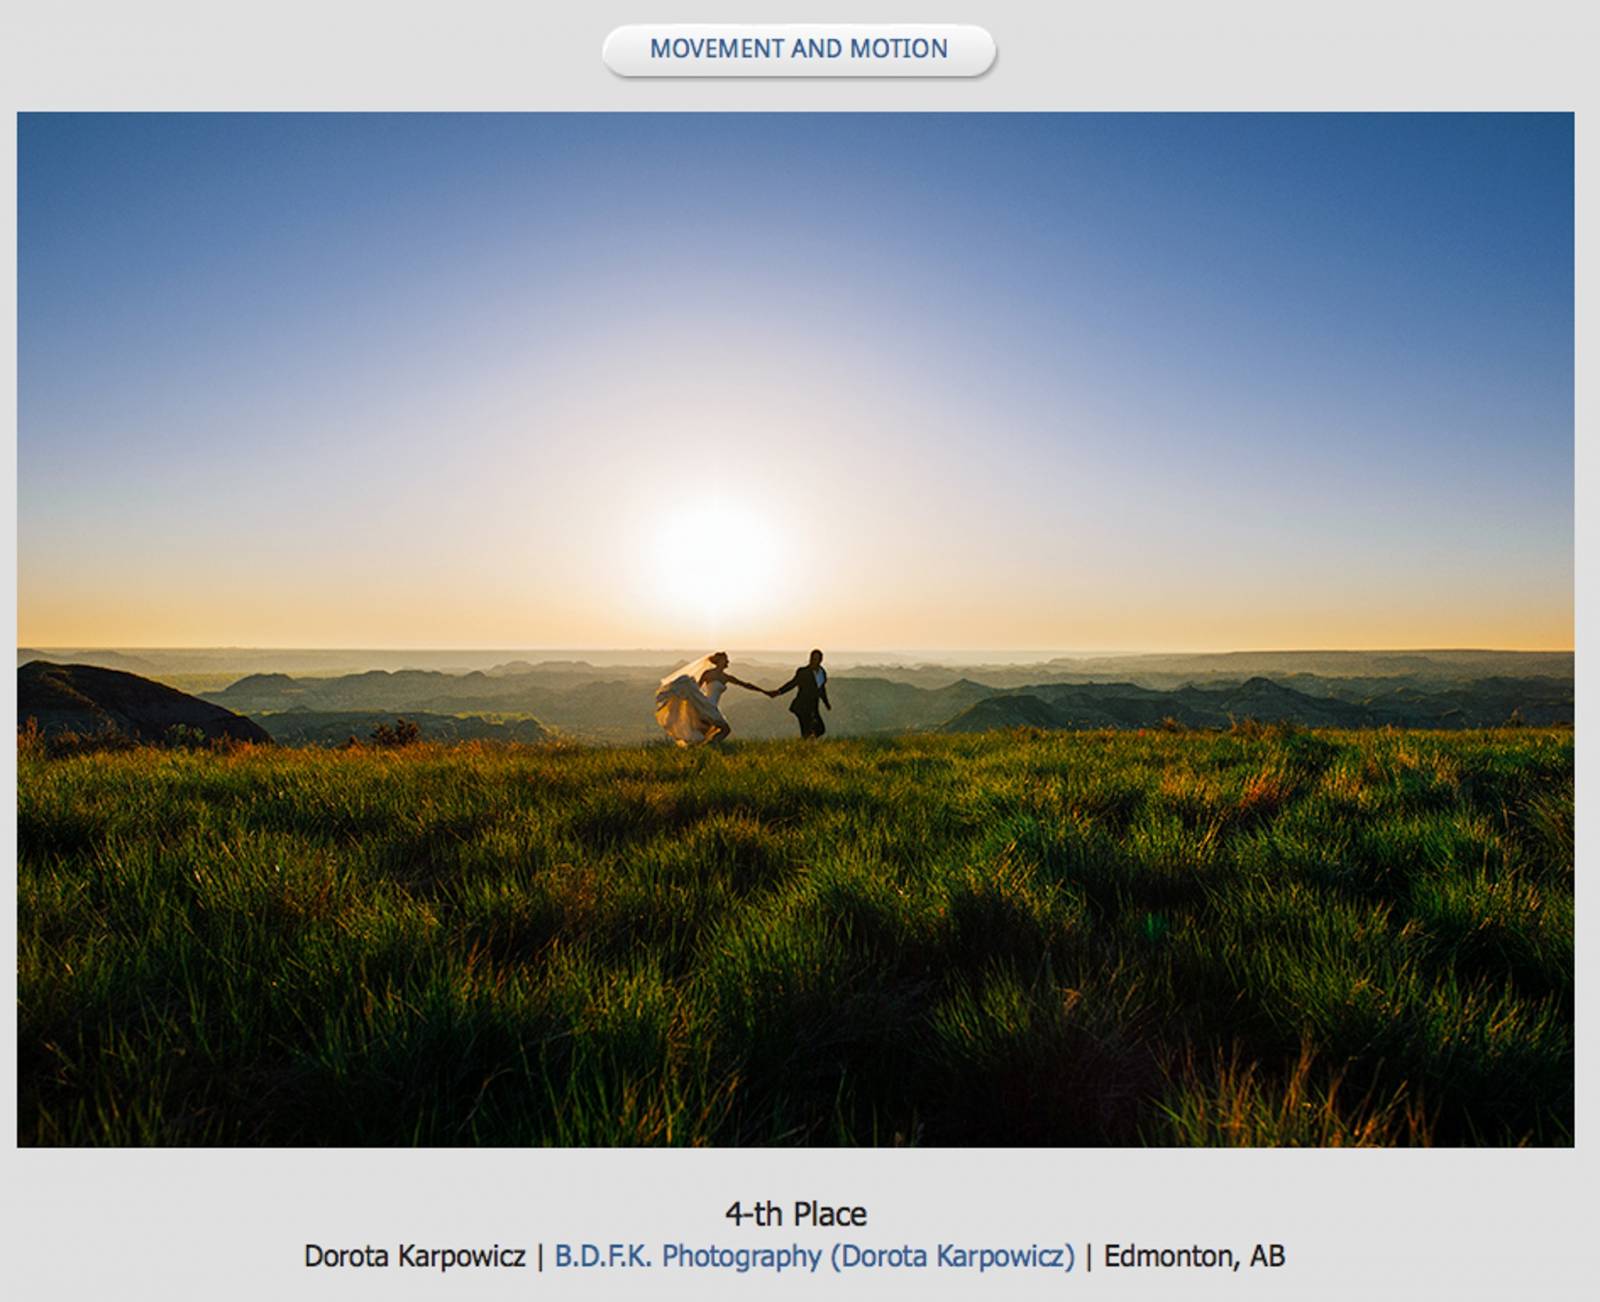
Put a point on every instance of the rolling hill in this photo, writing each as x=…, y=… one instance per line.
x=87, y=699
x=614, y=703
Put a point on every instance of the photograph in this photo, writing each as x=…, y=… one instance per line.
x=732, y=629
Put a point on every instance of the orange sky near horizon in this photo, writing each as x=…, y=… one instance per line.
x=481, y=612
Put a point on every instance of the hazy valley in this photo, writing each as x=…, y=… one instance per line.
x=529, y=699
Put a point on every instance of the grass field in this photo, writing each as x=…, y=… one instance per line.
x=1263, y=936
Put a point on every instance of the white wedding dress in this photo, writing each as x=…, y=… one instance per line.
x=685, y=709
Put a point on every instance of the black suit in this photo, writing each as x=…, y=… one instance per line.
x=809, y=697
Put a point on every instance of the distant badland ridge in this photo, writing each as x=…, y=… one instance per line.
x=239, y=661
x=522, y=699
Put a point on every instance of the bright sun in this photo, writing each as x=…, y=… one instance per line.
x=716, y=567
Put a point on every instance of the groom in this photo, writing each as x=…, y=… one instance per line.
x=810, y=687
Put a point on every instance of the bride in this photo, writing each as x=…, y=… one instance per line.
x=688, y=700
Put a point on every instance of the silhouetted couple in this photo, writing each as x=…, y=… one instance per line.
x=689, y=700
x=810, y=688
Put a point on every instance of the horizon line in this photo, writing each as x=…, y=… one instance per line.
x=948, y=650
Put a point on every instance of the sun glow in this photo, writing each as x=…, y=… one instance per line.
x=715, y=567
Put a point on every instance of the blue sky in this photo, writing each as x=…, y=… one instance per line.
x=1054, y=381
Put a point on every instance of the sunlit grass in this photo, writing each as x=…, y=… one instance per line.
x=1258, y=937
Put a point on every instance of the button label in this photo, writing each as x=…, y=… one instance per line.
x=799, y=50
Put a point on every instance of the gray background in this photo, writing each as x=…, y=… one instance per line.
x=168, y=1224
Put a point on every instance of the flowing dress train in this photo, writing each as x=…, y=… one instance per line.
x=686, y=710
